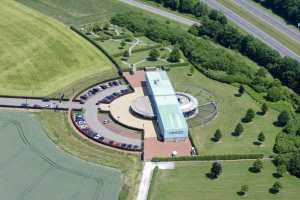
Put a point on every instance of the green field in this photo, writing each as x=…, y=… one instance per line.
x=40, y=56
x=281, y=37
x=78, y=12
x=188, y=181
x=59, y=131
x=231, y=110
x=32, y=167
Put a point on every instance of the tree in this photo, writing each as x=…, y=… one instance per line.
x=217, y=16
x=126, y=54
x=250, y=114
x=175, y=55
x=154, y=54
x=238, y=129
x=216, y=170
x=257, y=166
x=293, y=165
x=241, y=90
x=262, y=72
x=200, y=9
x=283, y=118
x=281, y=170
x=274, y=94
x=122, y=44
x=244, y=189
x=264, y=109
x=261, y=137
x=276, y=187
x=218, y=135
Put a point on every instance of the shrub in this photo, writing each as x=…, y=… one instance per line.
x=217, y=135
x=216, y=170
x=257, y=166
x=264, y=109
x=154, y=54
x=261, y=137
x=249, y=116
x=283, y=118
x=238, y=129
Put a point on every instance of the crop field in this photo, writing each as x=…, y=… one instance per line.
x=188, y=181
x=40, y=56
x=231, y=109
x=61, y=133
x=32, y=167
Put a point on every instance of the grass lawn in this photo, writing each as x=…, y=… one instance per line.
x=60, y=132
x=188, y=181
x=231, y=110
x=40, y=56
x=281, y=37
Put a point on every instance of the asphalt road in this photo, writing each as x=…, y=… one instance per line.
x=38, y=103
x=244, y=24
x=91, y=112
x=272, y=20
x=160, y=12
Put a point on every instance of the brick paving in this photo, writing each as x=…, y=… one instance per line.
x=155, y=148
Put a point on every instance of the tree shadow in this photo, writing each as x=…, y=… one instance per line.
x=257, y=143
x=272, y=191
x=237, y=95
x=276, y=175
x=253, y=170
x=260, y=113
x=210, y=176
x=240, y=193
x=213, y=139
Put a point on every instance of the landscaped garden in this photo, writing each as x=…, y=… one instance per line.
x=190, y=181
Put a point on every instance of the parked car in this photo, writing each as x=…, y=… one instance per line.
x=46, y=99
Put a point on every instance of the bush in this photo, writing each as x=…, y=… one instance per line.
x=257, y=166
x=239, y=129
x=283, y=118
x=249, y=116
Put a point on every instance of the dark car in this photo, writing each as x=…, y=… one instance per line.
x=84, y=97
x=46, y=99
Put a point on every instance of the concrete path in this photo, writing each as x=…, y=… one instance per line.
x=147, y=176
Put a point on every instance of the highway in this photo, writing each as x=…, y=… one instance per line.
x=250, y=28
x=272, y=20
x=241, y=22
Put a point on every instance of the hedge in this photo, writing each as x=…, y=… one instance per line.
x=139, y=49
x=209, y=157
x=97, y=46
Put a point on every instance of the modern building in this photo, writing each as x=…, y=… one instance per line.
x=169, y=117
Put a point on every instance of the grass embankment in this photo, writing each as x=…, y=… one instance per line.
x=188, y=181
x=40, y=56
x=85, y=11
x=264, y=26
x=60, y=132
x=231, y=109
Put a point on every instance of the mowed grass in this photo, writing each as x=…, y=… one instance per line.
x=264, y=26
x=188, y=181
x=231, y=110
x=39, y=56
x=59, y=131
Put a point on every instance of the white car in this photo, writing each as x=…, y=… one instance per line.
x=97, y=136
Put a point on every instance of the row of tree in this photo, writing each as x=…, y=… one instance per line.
x=214, y=25
x=288, y=9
